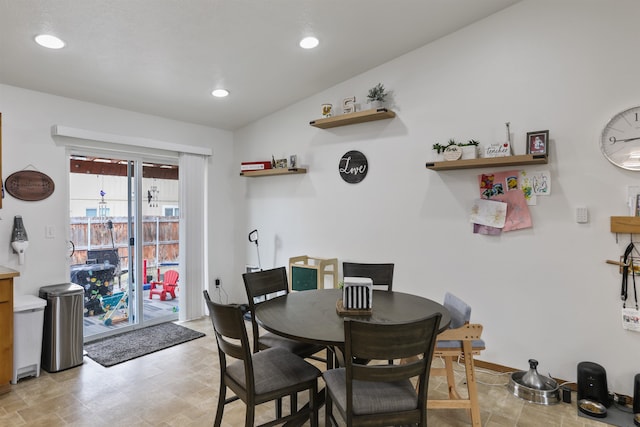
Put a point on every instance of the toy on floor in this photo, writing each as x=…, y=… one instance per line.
x=116, y=308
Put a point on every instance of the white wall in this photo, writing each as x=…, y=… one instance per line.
x=27, y=117
x=543, y=293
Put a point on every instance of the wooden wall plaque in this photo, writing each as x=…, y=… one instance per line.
x=29, y=185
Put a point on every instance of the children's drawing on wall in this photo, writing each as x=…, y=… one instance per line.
x=541, y=183
x=526, y=185
x=492, y=186
x=486, y=186
x=489, y=212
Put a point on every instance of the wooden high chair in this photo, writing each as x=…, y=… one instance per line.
x=462, y=339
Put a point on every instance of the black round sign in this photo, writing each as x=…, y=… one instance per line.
x=353, y=167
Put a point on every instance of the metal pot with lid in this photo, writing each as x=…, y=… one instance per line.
x=533, y=387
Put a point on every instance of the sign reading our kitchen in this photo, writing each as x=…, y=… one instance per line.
x=353, y=167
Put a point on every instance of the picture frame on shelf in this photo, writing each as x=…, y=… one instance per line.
x=538, y=142
x=281, y=163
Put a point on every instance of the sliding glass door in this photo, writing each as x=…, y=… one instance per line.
x=124, y=226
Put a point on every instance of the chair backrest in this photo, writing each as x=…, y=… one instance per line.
x=170, y=277
x=460, y=311
x=381, y=274
x=260, y=287
x=373, y=341
x=231, y=335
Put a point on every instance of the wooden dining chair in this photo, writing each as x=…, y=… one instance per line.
x=461, y=341
x=262, y=286
x=257, y=378
x=381, y=274
x=378, y=394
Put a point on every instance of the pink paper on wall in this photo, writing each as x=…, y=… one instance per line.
x=500, y=186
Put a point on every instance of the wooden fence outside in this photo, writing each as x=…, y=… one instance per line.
x=160, y=238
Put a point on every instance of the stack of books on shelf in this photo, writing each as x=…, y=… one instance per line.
x=254, y=166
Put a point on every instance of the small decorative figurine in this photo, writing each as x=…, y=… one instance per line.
x=326, y=110
x=349, y=105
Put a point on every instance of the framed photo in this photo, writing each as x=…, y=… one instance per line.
x=538, y=142
x=281, y=163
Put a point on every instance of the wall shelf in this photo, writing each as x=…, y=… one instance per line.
x=519, y=160
x=273, y=172
x=625, y=224
x=353, y=118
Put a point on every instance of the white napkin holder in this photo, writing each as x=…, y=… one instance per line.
x=357, y=293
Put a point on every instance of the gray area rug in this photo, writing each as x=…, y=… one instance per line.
x=130, y=345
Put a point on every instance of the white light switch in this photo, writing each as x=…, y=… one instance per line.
x=582, y=215
x=50, y=232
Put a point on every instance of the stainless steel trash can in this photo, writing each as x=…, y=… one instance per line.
x=62, y=337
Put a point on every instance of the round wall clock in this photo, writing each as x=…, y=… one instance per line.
x=620, y=140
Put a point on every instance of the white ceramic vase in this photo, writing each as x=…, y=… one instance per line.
x=469, y=152
x=375, y=105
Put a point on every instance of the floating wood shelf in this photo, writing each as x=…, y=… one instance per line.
x=519, y=160
x=353, y=118
x=625, y=224
x=272, y=172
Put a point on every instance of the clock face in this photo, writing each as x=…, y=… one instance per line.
x=620, y=141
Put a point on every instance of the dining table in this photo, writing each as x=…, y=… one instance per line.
x=312, y=316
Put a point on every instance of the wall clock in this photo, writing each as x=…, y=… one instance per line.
x=620, y=140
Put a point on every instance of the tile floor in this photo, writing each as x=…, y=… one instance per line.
x=179, y=387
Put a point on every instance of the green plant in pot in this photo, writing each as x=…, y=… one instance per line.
x=377, y=96
x=441, y=147
x=469, y=149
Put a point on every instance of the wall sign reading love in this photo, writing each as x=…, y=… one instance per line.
x=353, y=167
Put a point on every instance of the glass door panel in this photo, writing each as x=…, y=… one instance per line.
x=111, y=262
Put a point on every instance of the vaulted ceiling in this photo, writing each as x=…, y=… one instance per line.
x=164, y=57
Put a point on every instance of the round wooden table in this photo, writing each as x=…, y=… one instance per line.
x=311, y=316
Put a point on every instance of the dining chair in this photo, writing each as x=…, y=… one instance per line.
x=381, y=274
x=461, y=341
x=262, y=286
x=378, y=394
x=257, y=378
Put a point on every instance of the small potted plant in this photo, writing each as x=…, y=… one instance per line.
x=377, y=96
x=469, y=149
x=441, y=148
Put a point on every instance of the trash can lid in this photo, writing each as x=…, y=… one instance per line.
x=61, y=289
x=27, y=302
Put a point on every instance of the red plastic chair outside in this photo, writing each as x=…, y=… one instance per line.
x=169, y=285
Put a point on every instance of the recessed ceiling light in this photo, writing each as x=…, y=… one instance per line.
x=49, y=41
x=220, y=93
x=309, y=42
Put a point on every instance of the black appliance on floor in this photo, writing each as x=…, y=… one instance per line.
x=593, y=393
x=636, y=400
